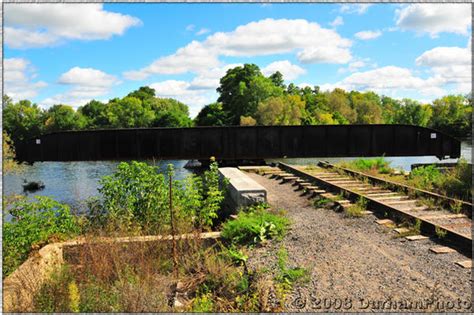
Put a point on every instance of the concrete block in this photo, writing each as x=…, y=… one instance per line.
x=242, y=190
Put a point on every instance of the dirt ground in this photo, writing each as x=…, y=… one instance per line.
x=357, y=265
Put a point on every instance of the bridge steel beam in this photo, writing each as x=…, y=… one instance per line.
x=239, y=143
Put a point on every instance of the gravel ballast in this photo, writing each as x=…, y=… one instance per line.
x=359, y=266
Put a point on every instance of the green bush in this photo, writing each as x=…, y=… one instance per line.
x=455, y=182
x=458, y=181
x=425, y=176
x=377, y=164
x=34, y=223
x=254, y=227
x=136, y=198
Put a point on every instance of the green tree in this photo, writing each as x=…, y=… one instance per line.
x=169, y=113
x=338, y=101
x=247, y=121
x=241, y=89
x=390, y=107
x=22, y=120
x=211, y=115
x=281, y=110
x=129, y=112
x=412, y=112
x=368, y=107
x=453, y=115
x=143, y=93
x=63, y=117
x=277, y=79
x=95, y=113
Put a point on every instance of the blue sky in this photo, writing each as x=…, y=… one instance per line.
x=72, y=53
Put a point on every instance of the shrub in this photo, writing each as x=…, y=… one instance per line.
x=457, y=182
x=254, y=227
x=34, y=224
x=377, y=164
x=425, y=176
x=136, y=199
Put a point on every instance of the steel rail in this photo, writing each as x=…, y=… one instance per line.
x=443, y=200
x=455, y=239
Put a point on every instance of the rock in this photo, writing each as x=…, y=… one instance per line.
x=33, y=186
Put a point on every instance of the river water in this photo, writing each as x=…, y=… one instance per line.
x=74, y=182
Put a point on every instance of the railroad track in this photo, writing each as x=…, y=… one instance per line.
x=394, y=202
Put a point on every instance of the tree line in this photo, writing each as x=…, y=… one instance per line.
x=140, y=108
x=246, y=97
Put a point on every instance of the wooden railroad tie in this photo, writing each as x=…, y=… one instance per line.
x=442, y=250
x=417, y=237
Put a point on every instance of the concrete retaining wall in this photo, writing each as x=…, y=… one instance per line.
x=242, y=190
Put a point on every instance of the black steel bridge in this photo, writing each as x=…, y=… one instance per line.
x=239, y=143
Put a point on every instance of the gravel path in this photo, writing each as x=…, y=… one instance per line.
x=357, y=265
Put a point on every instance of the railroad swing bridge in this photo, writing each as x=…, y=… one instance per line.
x=238, y=143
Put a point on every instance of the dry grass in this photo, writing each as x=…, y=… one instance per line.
x=140, y=277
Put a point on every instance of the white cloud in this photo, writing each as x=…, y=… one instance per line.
x=311, y=43
x=194, y=57
x=209, y=78
x=389, y=80
x=270, y=36
x=441, y=56
x=18, y=79
x=435, y=18
x=337, y=21
x=86, y=84
x=202, y=31
x=190, y=27
x=356, y=65
x=87, y=77
x=286, y=68
x=449, y=65
x=182, y=91
x=39, y=25
x=355, y=8
x=367, y=35
x=328, y=54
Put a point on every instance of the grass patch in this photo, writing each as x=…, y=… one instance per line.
x=286, y=277
x=321, y=202
x=378, y=165
x=440, y=232
x=255, y=226
x=413, y=229
x=289, y=275
x=135, y=280
x=356, y=210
